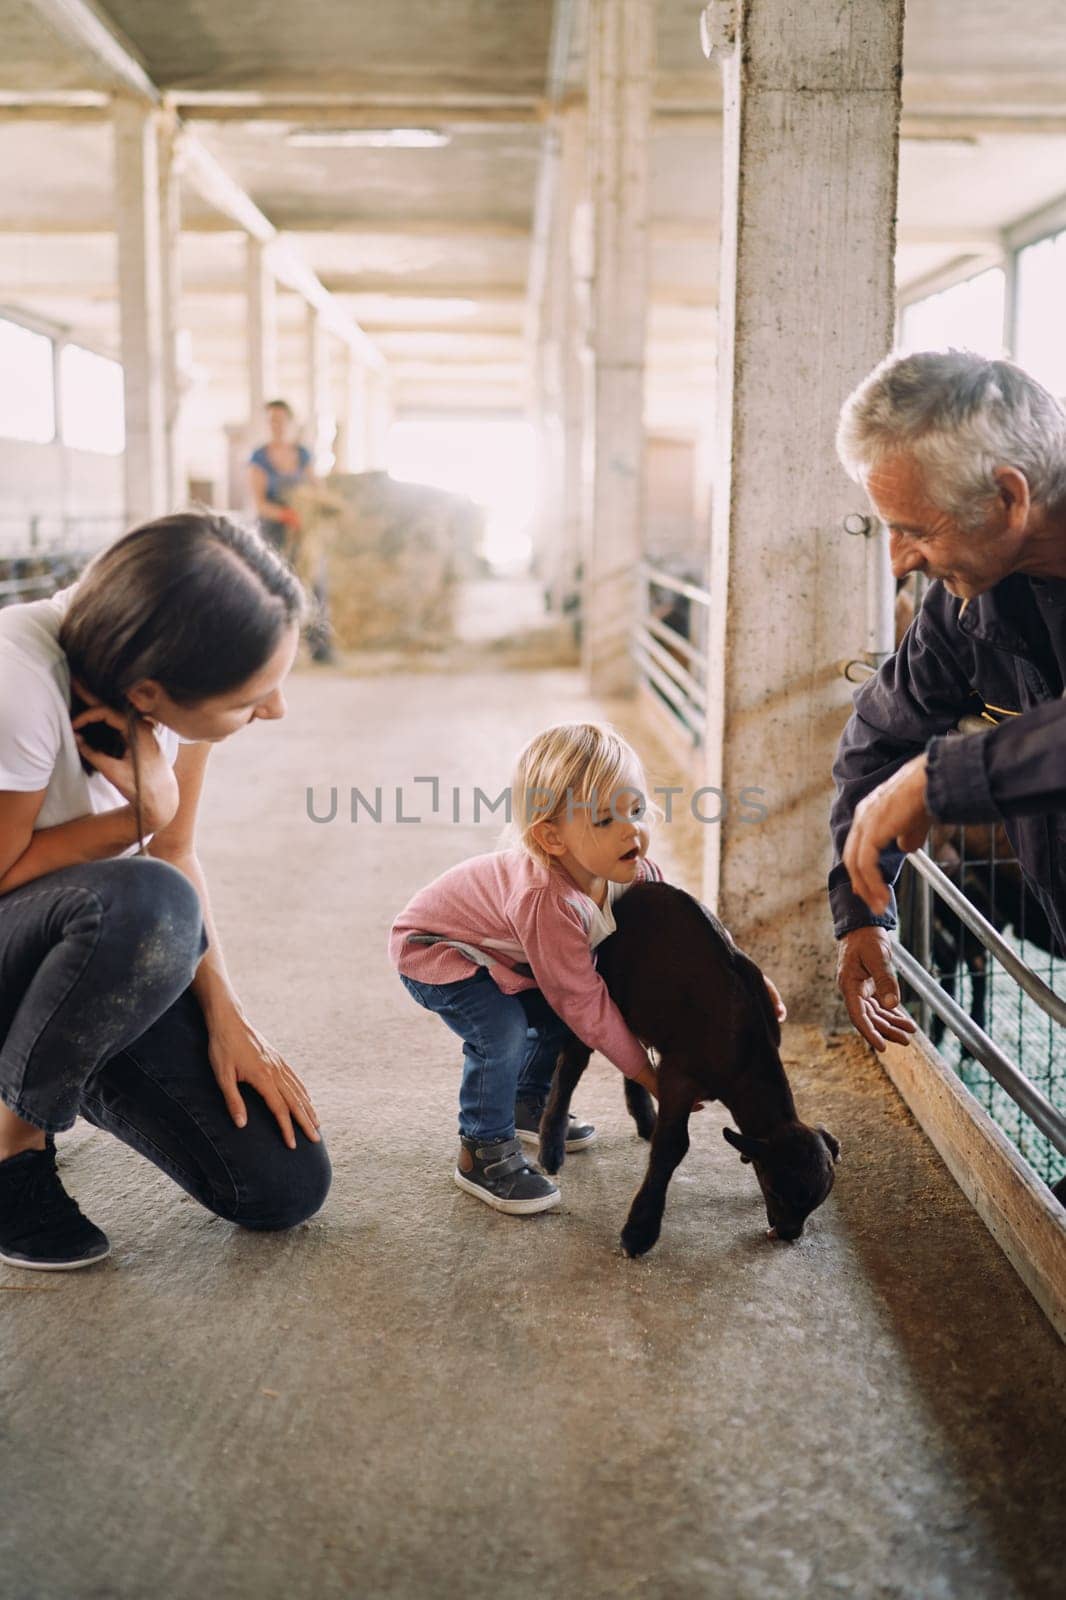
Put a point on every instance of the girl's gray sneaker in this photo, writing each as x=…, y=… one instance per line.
x=527, y=1115
x=501, y=1175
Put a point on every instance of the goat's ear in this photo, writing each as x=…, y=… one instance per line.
x=750, y=1149
x=832, y=1145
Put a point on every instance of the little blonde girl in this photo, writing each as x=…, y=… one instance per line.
x=501, y=947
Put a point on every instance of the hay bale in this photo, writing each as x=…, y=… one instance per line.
x=390, y=554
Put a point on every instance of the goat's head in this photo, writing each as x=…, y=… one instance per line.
x=795, y=1166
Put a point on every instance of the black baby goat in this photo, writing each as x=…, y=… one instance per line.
x=683, y=986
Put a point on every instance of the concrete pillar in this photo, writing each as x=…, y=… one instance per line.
x=810, y=143
x=351, y=433
x=575, y=352
x=316, y=377
x=262, y=327
x=621, y=64
x=559, y=402
x=140, y=278
x=379, y=412
x=170, y=173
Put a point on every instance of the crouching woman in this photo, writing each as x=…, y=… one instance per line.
x=115, y=1004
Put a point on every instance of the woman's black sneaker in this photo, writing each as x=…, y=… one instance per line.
x=501, y=1175
x=40, y=1225
x=527, y=1115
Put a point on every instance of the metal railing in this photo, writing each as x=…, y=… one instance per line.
x=669, y=645
x=41, y=552
x=37, y=579
x=1050, y=1120
x=25, y=535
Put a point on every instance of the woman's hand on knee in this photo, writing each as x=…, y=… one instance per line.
x=240, y=1054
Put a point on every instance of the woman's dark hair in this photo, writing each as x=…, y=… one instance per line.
x=278, y=405
x=194, y=601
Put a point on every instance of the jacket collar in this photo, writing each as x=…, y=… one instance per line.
x=990, y=617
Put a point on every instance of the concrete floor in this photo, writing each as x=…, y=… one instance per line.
x=413, y=1396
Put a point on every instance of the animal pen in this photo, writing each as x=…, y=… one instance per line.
x=994, y=1011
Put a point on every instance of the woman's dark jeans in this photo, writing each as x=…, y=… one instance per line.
x=97, y=1019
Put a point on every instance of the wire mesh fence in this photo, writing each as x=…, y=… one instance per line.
x=37, y=535
x=979, y=859
x=42, y=552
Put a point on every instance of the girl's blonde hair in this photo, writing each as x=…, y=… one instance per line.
x=565, y=771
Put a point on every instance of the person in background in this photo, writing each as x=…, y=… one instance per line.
x=275, y=470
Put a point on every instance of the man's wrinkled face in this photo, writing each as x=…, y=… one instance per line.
x=924, y=538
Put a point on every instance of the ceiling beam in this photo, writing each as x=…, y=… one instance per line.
x=991, y=90
x=34, y=292
x=321, y=111
x=462, y=327
x=482, y=228
x=405, y=289
x=78, y=105
x=935, y=106
x=917, y=126
x=502, y=229
x=950, y=238
x=1050, y=218
x=80, y=25
x=944, y=276
x=60, y=113
x=665, y=231
x=439, y=94
x=86, y=31
x=214, y=185
x=343, y=114
x=945, y=128
x=491, y=366
x=699, y=297
x=234, y=288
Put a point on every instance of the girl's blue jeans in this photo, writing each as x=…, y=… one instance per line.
x=510, y=1046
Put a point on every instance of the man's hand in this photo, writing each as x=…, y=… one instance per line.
x=866, y=979
x=895, y=810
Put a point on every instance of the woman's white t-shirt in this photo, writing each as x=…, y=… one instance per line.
x=37, y=748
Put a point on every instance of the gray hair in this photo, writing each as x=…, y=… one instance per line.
x=959, y=416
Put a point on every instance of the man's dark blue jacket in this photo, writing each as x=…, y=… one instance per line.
x=1001, y=657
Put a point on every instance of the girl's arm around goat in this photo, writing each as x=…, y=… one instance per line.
x=555, y=937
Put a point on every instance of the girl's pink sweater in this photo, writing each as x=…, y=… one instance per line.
x=533, y=928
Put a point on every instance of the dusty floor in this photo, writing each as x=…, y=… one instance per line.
x=413, y=1396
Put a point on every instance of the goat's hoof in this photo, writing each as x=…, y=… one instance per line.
x=551, y=1157
x=638, y=1240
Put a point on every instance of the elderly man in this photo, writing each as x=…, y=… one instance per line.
x=964, y=460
